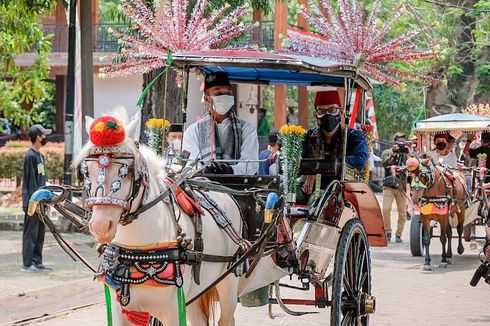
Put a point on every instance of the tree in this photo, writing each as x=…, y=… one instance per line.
x=153, y=105
x=23, y=89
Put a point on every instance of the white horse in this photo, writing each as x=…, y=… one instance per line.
x=156, y=226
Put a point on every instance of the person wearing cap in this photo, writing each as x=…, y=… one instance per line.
x=326, y=140
x=392, y=190
x=174, y=141
x=442, y=154
x=33, y=177
x=220, y=134
x=268, y=164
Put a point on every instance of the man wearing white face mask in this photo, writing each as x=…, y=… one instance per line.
x=220, y=134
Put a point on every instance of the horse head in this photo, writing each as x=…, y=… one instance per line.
x=114, y=173
x=421, y=177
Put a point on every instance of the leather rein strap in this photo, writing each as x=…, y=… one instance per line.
x=189, y=173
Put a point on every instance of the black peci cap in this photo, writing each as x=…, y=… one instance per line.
x=219, y=78
x=274, y=138
x=176, y=127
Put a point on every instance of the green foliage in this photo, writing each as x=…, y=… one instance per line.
x=483, y=74
x=23, y=89
x=397, y=109
x=12, y=158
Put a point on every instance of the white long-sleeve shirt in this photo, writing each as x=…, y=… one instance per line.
x=249, y=148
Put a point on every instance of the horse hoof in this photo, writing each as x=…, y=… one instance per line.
x=427, y=268
x=449, y=261
x=443, y=265
x=461, y=250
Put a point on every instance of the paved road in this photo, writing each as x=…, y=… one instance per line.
x=405, y=294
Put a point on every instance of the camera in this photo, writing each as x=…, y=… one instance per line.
x=483, y=271
x=402, y=147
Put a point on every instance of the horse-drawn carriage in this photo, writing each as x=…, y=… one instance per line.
x=149, y=239
x=475, y=206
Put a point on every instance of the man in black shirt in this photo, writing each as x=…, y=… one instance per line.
x=34, y=177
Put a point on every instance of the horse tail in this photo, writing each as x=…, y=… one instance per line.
x=207, y=303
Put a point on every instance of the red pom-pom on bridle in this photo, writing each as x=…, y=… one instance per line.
x=107, y=131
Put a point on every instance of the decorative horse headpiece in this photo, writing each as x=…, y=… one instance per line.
x=422, y=174
x=107, y=134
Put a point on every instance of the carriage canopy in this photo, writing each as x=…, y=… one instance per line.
x=271, y=69
x=455, y=121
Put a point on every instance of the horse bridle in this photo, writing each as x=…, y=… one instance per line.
x=417, y=184
x=102, y=195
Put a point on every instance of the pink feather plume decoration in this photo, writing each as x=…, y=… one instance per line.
x=171, y=27
x=349, y=37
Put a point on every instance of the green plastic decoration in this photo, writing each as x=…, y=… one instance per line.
x=182, y=307
x=107, y=293
x=170, y=60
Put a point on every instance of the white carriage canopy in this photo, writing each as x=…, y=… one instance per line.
x=456, y=121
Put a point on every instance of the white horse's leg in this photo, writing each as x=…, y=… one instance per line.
x=195, y=315
x=118, y=319
x=227, y=291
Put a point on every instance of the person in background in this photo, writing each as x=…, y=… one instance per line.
x=33, y=177
x=472, y=150
x=392, y=190
x=220, y=133
x=263, y=128
x=268, y=164
x=174, y=141
x=442, y=153
x=291, y=118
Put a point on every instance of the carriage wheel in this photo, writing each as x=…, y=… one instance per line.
x=351, y=292
x=416, y=245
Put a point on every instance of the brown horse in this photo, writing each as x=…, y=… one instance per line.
x=441, y=194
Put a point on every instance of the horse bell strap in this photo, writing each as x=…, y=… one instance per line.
x=219, y=216
x=198, y=246
x=124, y=295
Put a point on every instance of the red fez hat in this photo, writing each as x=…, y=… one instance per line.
x=327, y=98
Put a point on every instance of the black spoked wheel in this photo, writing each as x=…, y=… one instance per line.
x=352, y=301
x=416, y=245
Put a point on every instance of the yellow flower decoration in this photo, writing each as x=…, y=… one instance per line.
x=157, y=123
x=292, y=129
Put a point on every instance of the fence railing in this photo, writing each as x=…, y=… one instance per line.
x=104, y=41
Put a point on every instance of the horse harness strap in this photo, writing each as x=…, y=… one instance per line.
x=208, y=203
x=122, y=267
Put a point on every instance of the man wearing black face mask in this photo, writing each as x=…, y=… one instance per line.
x=326, y=140
x=33, y=177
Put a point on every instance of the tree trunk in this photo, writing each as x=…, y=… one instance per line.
x=459, y=92
x=155, y=100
